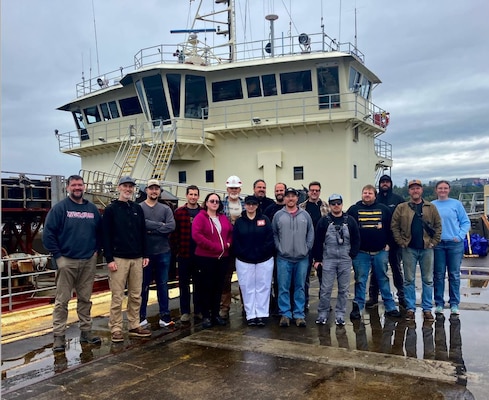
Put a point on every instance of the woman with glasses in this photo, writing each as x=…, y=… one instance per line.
x=254, y=247
x=212, y=233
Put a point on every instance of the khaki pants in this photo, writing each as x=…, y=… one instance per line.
x=78, y=275
x=130, y=271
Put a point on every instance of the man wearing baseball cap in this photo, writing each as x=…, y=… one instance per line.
x=124, y=238
x=416, y=227
x=159, y=223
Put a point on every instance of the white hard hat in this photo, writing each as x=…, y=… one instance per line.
x=234, y=181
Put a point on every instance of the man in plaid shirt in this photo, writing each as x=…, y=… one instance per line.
x=183, y=247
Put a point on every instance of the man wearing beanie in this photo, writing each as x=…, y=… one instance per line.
x=387, y=197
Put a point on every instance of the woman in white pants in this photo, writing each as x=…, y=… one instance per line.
x=253, y=247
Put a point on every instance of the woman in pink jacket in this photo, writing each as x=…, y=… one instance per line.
x=212, y=232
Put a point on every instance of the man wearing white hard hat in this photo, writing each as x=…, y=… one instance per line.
x=233, y=207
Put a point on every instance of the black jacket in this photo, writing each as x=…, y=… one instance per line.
x=253, y=239
x=124, y=231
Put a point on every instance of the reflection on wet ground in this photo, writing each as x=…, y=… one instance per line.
x=453, y=339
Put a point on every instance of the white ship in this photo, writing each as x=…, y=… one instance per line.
x=285, y=109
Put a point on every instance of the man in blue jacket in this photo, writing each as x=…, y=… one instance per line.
x=72, y=234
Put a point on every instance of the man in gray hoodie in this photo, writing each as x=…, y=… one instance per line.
x=293, y=234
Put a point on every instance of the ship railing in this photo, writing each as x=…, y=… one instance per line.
x=39, y=280
x=213, y=55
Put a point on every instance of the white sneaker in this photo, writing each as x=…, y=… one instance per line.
x=144, y=322
x=185, y=317
x=164, y=324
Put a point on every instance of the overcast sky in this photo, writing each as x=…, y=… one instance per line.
x=432, y=57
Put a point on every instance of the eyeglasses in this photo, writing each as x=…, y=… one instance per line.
x=214, y=201
x=251, y=204
x=335, y=203
x=314, y=190
x=234, y=188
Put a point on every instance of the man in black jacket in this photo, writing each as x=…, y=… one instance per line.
x=124, y=234
x=374, y=220
x=391, y=200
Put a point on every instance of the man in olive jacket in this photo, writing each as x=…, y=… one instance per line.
x=416, y=227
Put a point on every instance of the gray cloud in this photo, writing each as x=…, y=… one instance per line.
x=431, y=56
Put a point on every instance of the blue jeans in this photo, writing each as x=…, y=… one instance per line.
x=448, y=257
x=157, y=269
x=410, y=257
x=288, y=272
x=361, y=265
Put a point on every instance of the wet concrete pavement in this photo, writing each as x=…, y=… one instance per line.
x=375, y=358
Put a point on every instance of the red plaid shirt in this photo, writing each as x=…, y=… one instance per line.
x=181, y=240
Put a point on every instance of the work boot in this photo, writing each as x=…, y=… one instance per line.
x=59, y=344
x=88, y=337
x=355, y=312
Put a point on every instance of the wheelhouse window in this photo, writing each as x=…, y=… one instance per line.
x=92, y=114
x=354, y=80
x=80, y=125
x=155, y=96
x=140, y=92
x=298, y=173
x=227, y=90
x=174, y=83
x=328, y=87
x=253, y=86
x=269, y=85
x=365, y=89
x=109, y=110
x=196, y=102
x=295, y=82
x=130, y=106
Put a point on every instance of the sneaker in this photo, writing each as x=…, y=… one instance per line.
x=428, y=316
x=139, y=332
x=339, y=321
x=439, y=310
x=393, y=313
x=117, y=337
x=410, y=315
x=454, y=310
x=321, y=320
x=59, y=344
x=185, y=317
x=260, y=322
x=165, y=321
x=371, y=303
x=88, y=337
x=219, y=321
x=284, y=321
x=355, y=312
x=206, y=323
x=198, y=316
x=252, y=322
x=144, y=322
x=300, y=322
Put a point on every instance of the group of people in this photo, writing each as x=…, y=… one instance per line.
x=270, y=244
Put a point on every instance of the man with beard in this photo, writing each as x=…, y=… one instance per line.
x=124, y=232
x=260, y=191
x=72, y=234
x=272, y=209
x=416, y=227
x=374, y=221
x=391, y=200
x=316, y=208
x=293, y=234
x=233, y=206
x=270, y=212
x=159, y=224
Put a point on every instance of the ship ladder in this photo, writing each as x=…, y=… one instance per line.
x=161, y=153
x=127, y=155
